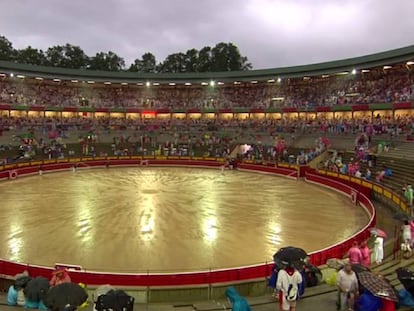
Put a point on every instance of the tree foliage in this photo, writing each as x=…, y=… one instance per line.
x=222, y=57
x=147, y=63
x=6, y=49
x=109, y=61
x=66, y=56
x=30, y=56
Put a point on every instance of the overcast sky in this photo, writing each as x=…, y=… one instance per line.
x=271, y=33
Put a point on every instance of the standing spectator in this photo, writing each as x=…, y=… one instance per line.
x=354, y=254
x=288, y=281
x=347, y=288
x=366, y=255
x=406, y=232
x=378, y=249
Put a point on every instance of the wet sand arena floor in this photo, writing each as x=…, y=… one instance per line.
x=167, y=219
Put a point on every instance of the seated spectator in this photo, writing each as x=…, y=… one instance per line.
x=368, y=174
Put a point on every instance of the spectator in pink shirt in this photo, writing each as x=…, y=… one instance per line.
x=366, y=255
x=355, y=255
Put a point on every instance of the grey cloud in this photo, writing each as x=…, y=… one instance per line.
x=271, y=33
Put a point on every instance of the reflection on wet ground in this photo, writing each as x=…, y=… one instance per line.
x=166, y=219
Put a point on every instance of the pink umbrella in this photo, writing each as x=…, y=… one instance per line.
x=378, y=232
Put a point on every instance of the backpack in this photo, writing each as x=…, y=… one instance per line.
x=292, y=292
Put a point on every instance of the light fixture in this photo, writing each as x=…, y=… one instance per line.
x=74, y=81
x=91, y=82
x=20, y=76
x=204, y=83
x=171, y=83
x=354, y=71
x=237, y=82
x=365, y=70
x=56, y=80
x=212, y=83
x=148, y=84
x=107, y=83
x=220, y=83
x=271, y=80
x=187, y=83
x=325, y=76
x=306, y=78
x=410, y=63
x=279, y=80
x=124, y=83
x=155, y=83
x=11, y=74
x=39, y=78
x=254, y=81
x=387, y=67
x=140, y=84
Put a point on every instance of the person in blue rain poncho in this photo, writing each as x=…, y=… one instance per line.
x=238, y=302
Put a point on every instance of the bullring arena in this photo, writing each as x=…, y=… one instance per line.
x=167, y=219
x=137, y=194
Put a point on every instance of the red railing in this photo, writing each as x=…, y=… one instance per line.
x=8, y=268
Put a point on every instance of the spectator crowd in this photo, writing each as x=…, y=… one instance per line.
x=375, y=86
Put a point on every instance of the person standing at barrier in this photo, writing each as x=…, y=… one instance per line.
x=378, y=249
x=406, y=232
x=366, y=254
x=354, y=254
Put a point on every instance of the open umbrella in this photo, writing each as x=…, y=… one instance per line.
x=406, y=277
x=117, y=300
x=360, y=268
x=65, y=295
x=36, y=289
x=377, y=286
x=290, y=256
x=378, y=232
x=103, y=290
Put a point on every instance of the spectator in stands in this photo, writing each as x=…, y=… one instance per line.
x=368, y=174
x=409, y=194
x=288, y=282
x=60, y=276
x=347, y=288
x=238, y=303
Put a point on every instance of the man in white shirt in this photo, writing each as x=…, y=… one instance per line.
x=348, y=287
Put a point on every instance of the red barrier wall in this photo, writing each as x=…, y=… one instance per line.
x=193, y=278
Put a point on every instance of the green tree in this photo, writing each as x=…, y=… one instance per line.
x=31, y=56
x=191, y=60
x=204, y=59
x=106, y=62
x=147, y=63
x=173, y=63
x=6, y=49
x=66, y=56
x=227, y=57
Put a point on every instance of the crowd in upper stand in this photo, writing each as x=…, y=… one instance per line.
x=400, y=125
x=377, y=85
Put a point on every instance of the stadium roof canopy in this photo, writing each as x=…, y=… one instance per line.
x=387, y=58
